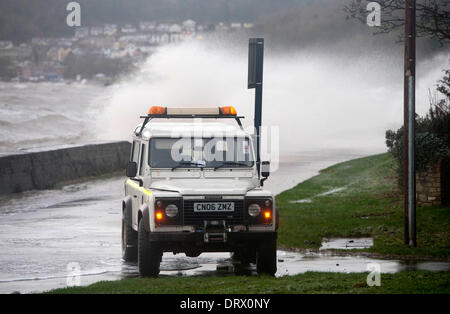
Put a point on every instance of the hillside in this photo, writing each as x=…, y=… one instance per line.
x=21, y=20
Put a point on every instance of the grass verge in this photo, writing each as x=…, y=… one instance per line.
x=367, y=204
x=405, y=282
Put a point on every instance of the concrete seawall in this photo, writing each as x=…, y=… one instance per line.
x=45, y=169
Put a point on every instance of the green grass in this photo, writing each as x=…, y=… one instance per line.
x=404, y=282
x=370, y=205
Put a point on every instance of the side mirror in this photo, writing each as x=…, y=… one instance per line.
x=265, y=169
x=131, y=169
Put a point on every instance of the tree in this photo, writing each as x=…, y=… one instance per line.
x=444, y=84
x=432, y=133
x=432, y=17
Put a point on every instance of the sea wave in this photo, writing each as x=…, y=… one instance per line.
x=20, y=143
x=50, y=119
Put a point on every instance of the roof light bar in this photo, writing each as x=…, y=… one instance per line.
x=187, y=113
x=212, y=111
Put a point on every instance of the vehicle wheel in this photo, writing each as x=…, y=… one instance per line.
x=244, y=256
x=129, y=241
x=266, y=258
x=149, y=254
x=241, y=260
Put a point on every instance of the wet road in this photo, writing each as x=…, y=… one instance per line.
x=42, y=233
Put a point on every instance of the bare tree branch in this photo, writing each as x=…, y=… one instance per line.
x=432, y=17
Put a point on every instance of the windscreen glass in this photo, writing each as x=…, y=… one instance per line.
x=227, y=152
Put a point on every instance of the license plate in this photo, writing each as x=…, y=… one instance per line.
x=214, y=207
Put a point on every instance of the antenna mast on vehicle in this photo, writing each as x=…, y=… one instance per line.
x=255, y=80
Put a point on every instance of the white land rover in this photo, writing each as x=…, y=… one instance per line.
x=194, y=187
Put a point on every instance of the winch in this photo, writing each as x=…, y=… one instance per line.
x=215, y=231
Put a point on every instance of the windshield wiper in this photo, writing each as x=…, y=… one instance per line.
x=199, y=163
x=231, y=163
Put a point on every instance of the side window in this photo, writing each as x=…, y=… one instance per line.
x=132, y=151
x=135, y=152
x=142, y=165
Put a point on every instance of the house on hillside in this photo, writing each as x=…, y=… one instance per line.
x=97, y=31
x=189, y=26
x=236, y=26
x=147, y=26
x=128, y=29
x=6, y=44
x=110, y=29
x=81, y=32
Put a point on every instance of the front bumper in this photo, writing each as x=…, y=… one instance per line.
x=185, y=241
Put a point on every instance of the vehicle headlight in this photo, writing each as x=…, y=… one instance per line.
x=254, y=210
x=171, y=210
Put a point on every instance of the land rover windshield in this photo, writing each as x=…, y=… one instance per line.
x=174, y=153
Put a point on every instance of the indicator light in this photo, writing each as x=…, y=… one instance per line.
x=157, y=110
x=159, y=216
x=228, y=111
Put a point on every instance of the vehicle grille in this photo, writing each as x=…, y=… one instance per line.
x=197, y=219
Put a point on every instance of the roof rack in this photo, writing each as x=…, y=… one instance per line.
x=157, y=112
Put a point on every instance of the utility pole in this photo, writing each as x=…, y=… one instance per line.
x=409, y=124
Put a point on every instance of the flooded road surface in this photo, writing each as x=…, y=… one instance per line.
x=44, y=234
x=41, y=232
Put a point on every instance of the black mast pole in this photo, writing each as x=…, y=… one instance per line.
x=255, y=80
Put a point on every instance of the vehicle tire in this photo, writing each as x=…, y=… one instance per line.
x=241, y=259
x=149, y=254
x=244, y=256
x=129, y=241
x=266, y=258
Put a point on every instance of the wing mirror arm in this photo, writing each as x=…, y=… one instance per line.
x=262, y=181
x=141, y=183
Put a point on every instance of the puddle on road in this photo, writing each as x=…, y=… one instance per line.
x=220, y=264
x=346, y=243
x=292, y=264
x=289, y=263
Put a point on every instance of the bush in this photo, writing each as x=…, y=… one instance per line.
x=432, y=133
